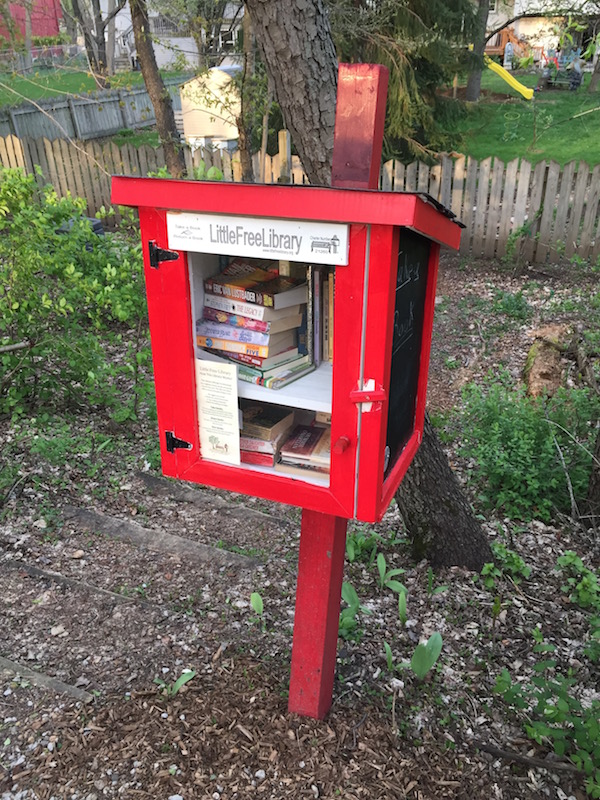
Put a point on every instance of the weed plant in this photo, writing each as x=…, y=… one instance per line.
x=528, y=451
x=67, y=295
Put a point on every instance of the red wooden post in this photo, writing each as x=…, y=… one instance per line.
x=358, y=140
x=320, y=574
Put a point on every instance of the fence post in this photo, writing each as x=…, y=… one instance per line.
x=13, y=122
x=122, y=106
x=74, y=119
x=285, y=157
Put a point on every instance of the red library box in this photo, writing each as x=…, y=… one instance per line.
x=352, y=275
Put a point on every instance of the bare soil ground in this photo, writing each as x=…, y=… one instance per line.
x=96, y=597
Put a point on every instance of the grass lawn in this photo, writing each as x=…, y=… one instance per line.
x=45, y=84
x=553, y=125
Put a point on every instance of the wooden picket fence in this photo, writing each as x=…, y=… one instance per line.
x=535, y=214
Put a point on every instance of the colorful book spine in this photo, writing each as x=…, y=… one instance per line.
x=330, y=299
x=325, y=322
x=260, y=351
x=259, y=459
x=217, y=330
x=224, y=317
x=263, y=294
x=317, y=315
x=287, y=376
x=303, y=337
x=255, y=361
x=249, y=443
x=235, y=307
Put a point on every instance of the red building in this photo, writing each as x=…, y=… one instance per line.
x=45, y=18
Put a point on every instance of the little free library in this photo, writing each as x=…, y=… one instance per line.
x=291, y=331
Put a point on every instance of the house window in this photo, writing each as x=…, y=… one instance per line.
x=493, y=6
x=227, y=40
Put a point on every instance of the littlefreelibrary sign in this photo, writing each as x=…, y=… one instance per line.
x=312, y=242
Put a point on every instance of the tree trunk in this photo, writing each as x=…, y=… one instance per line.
x=479, y=42
x=159, y=96
x=244, y=121
x=110, y=40
x=298, y=50
x=437, y=514
x=85, y=23
x=303, y=69
x=595, y=79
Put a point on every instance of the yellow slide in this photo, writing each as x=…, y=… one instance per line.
x=505, y=75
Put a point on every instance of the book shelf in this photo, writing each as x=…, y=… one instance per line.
x=311, y=392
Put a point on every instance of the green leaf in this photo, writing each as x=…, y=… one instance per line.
x=426, y=655
x=396, y=586
x=381, y=568
x=402, y=606
x=181, y=681
x=389, y=657
x=349, y=596
x=256, y=602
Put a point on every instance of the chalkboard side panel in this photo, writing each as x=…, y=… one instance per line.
x=412, y=275
x=398, y=470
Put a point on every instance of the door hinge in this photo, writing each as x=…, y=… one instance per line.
x=158, y=254
x=173, y=443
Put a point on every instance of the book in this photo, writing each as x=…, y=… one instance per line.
x=258, y=445
x=231, y=332
x=265, y=420
x=304, y=470
x=291, y=320
x=278, y=342
x=317, y=309
x=265, y=363
x=308, y=445
x=303, y=337
x=248, y=309
x=260, y=459
x=257, y=375
x=256, y=285
x=330, y=314
x=325, y=322
x=286, y=376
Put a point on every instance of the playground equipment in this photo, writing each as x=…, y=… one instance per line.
x=510, y=79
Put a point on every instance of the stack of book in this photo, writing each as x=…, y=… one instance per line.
x=306, y=451
x=264, y=429
x=255, y=317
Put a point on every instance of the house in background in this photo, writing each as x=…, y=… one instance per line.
x=174, y=46
x=536, y=36
x=210, y=106
x=46, y=16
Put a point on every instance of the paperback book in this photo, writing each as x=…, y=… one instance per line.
x=291, y=320
x=307, y=446
x=265, y=420
x=245, y=282
x=264, y=363
x=257, y=458
x=248, y=309
x=278, y=342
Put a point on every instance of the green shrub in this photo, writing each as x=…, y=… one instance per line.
x=514, y=443
x=61, y=296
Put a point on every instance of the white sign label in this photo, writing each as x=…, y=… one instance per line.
x=218, y=414
x=313, y=242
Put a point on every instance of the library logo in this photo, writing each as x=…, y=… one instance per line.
x=325, y=245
